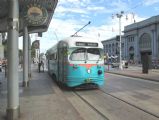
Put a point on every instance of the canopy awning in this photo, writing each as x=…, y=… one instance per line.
x=36, y=14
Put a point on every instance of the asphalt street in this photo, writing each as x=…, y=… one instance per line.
x=121, y=98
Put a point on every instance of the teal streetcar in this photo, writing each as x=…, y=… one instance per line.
x=77, y=61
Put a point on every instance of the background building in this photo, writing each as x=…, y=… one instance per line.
x=141, y=37
x=112, y=47
x=1, y=48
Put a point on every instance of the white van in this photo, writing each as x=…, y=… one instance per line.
x=124, y=64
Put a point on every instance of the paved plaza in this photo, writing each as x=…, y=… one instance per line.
x=42, y=100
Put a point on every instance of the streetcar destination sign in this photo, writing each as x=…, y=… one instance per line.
x=86, y=44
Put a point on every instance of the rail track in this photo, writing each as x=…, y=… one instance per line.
x=113, y=96
x=91, y=106
x=129, y=104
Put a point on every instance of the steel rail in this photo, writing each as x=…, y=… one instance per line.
x=95, y=109
x=150, y=113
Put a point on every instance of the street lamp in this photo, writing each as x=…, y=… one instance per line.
x=56, y=36
x=119, y=15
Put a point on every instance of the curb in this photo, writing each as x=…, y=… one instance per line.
x=149, y=79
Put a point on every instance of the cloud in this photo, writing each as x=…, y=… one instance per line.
x=150, y=2
x=62, y=9
x=95, y=8
x=86, y=6
x=65, y=28
x=156, y=9
x=118, y=5
x=60, y=29
x=71, y=15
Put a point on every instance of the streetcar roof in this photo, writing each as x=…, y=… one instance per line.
x=52, y=49
x=73, y=40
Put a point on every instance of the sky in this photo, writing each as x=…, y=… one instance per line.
x=71, y=15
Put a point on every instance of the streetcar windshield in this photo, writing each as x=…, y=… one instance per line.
x=93, y=54
x=85, y=54
x=78, y=54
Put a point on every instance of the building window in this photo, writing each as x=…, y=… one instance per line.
x=122, y=45
x=145, y=42
x=116, y=44
x=130, y=38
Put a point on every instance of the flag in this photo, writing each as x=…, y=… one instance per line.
x=36, y=44
x=98, y=34
x=112, y=29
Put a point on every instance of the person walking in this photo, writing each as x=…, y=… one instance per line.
x=42, y=65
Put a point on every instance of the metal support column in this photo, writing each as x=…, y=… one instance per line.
x=119, y=15
x=29, y=57
x=120, y=57
x=13, y=108
x=25, y=57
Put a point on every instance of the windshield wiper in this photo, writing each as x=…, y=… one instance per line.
x=98, y=59
x=85, y=61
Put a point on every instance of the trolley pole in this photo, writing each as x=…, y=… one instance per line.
x=13, y=107
x=81, y=28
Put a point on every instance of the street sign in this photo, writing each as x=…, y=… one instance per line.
x=36, y=44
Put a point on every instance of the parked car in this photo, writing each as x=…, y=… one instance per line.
x=125, y=64
x=107, y=63
x=115, y=65
x=155, y=65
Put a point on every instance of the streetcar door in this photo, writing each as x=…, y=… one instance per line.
x=61, y=62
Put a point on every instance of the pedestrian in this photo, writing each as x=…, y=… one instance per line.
x=39, y=66
x=42, y=65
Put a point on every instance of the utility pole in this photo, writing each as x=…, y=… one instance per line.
x=119, y=15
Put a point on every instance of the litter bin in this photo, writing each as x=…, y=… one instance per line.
x=145, y=62
x=126, y=64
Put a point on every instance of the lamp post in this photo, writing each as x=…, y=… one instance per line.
x=56, y=36
x=119, y=15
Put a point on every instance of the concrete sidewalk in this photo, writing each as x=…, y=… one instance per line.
x=152, y=75
x=42, y=100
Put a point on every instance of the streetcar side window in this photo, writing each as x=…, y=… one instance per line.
x=78, y=54
x=53, y=56
x=93, y=54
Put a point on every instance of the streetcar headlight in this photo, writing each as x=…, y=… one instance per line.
x=89, y=71
x=99, y=72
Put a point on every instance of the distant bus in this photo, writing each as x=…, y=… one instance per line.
x=77, y=61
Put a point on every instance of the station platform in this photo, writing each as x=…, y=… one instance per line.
x=42, y=100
